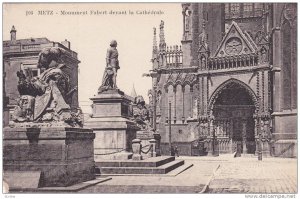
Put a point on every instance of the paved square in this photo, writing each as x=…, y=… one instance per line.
x=247, y=175
x=234, y=175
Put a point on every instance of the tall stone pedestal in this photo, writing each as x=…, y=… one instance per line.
x=50, y=156
x=112, y=126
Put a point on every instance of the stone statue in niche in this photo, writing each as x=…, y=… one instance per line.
x=158, y=103
x=112, y=66
x=43, y=98
x=264, y=56
x=203, y=63
x=141, y=113
x=187, y=15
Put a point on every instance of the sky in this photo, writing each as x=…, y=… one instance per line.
x=91, y=34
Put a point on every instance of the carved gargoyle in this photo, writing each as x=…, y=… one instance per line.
x=43, y=98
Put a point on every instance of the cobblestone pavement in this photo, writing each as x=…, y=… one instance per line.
x=192, y=180
x=235, y=175
x=248, y=175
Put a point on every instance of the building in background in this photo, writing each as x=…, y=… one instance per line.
x=232, y=81
x=22, y=54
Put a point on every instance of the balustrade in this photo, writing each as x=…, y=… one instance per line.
x=174, y=56
x=224, y=144
x=231, y=62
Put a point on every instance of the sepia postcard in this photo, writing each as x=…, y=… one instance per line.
x=150, y=98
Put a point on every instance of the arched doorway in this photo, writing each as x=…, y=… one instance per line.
x=232, y=107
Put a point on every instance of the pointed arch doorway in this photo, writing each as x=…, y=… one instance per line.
x=232, y=107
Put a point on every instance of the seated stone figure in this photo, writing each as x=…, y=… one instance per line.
x=43, y=98
x=141, y=113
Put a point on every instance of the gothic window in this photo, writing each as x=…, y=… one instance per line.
x=179, y=100
x=258, y=8
x=226, y=7
x=187, y=96
x=194, y=107
x=286, y=64
x=171, y=99
x=235, y=10
x=247, y=9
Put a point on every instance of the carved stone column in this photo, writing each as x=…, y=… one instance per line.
x=183, y=111
x=266, y=134
x=244, y=134
x=214, y=150
x=258, y=136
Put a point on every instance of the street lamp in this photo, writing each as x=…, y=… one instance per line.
x=170, y=141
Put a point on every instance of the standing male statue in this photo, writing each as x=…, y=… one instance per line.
x=112, y=66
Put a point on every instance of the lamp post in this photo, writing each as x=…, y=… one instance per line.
x=155, y=79
x=170, y=141
x=154, y=76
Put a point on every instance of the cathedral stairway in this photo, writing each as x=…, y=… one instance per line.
x=151, y=166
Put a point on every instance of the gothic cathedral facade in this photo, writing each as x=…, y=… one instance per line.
x=232, y=82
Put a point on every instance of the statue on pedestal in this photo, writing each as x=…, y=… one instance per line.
x=112, y=66
x=43, y=98
x=141, y=113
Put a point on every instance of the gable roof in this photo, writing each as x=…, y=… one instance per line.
x=235, y=34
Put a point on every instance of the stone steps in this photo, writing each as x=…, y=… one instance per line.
x=147, y=189
x=150, y=162
x=151, y=166
x=142, y=170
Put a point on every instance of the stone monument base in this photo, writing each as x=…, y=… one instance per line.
x=146, y=136
x=112, y=126
x=123, y=155
x=112, y=137
x=55, y=156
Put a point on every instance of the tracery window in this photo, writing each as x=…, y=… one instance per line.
x=243, y=10
x=258, y=9
x=248, y=9
x=235, y=10
x=286, y=65
x=227, y=11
